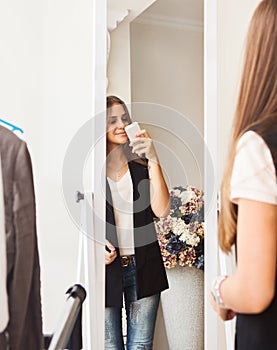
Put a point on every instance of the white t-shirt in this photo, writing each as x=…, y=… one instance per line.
x=122, y=196
x=253, y=174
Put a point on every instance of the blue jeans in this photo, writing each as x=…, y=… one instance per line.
x=141, y=317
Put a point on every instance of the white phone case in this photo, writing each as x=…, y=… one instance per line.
x=132, y=130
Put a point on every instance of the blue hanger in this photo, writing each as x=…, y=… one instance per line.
x=14, y=128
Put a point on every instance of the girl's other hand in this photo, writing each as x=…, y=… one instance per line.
x=224, y=314
x=110, y=253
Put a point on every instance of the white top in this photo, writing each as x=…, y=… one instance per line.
x=253, y=174
x=122, y=196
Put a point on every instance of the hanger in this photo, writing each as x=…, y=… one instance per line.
x=14, y=127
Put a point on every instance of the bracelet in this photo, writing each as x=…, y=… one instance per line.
x=215, y=290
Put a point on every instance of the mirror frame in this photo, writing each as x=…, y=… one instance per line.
x=210, y=137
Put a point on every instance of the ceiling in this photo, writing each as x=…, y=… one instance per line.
x=190, y=10
x=119, y=10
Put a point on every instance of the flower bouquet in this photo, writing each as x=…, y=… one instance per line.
x=181, y=233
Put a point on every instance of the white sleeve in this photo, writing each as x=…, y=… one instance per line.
x=254, y=175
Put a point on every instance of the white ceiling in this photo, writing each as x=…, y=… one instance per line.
x=119, y=10
x=190, y=10
x=178, y=11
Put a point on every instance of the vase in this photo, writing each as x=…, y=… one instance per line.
x=183, y=308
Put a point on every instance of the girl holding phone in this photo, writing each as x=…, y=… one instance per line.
x=136, y=192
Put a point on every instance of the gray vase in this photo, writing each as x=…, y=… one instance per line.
x=183, y=308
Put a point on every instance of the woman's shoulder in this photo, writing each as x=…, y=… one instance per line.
x=251, y=144
x=257, y=147
x=250, y=137
x=267, y=130
x=254, y=175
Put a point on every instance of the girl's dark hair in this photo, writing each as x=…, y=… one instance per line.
x=114, y=100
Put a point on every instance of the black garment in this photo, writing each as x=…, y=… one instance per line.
x=23, y=270
x=258, y=331
x=151, y=275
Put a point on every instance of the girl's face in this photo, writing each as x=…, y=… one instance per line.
x=117, y=119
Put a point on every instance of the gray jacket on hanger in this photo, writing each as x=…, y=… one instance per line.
x=23, y=271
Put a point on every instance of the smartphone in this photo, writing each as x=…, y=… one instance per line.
x=132, y=130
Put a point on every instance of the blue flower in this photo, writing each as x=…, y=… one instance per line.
x=199, y=215
x=175, y=203
x=187, y=218
x=174, y=245
x=180, y=188
x=199, y=263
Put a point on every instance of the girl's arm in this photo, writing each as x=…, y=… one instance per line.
x=252, y=287
x=159, y=195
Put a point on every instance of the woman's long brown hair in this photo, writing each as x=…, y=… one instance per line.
x=257, y=102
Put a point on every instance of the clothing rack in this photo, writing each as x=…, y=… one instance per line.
x=61, y=339
x=14, y=127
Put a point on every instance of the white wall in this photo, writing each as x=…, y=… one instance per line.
x=167, y=69
x=118, y=70
x=21, y=65
x=45, y=88
x=67, y=106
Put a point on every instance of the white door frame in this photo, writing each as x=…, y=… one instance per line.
x=96, y=287
x=210, y=183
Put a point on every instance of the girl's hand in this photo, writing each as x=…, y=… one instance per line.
x=224, y=314
x=110, y=253
x=143, y=146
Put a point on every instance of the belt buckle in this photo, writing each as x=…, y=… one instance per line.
x=125, y=261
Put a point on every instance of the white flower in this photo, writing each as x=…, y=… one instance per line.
x=178, y=226
x=190, y=238
x=185, y=235
x=187, y=196
x=193, y=240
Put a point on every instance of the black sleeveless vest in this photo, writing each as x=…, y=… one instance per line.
x=150, y=272
x=259, y=331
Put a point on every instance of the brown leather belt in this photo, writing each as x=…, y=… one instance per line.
x=127, y=260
